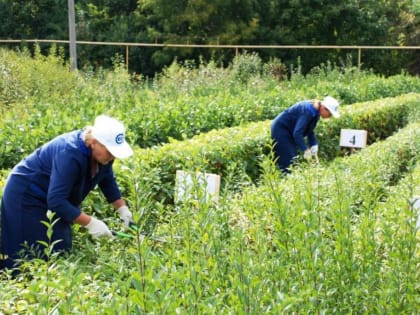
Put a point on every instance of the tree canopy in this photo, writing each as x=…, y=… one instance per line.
x=247, y=22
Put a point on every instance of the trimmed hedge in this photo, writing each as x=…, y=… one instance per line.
x=237, y=151
x=329, y=234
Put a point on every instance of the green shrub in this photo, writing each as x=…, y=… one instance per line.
x=245, y=66
x=23, y=78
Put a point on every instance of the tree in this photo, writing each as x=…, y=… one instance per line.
x=196, y=22
x=279, y=22
x=28, y=19
x=342, y=22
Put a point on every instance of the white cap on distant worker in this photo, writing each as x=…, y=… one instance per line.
x=331, y=104
x=111, y=133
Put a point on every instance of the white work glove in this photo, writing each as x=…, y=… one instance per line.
x=97, y=228
x=314, y=149
x=125, y=214
x=307, y=154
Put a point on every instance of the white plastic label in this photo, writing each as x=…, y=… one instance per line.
x=353, y=138
x=416, y=205
x=201, y=186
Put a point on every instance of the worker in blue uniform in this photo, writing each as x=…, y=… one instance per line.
x=57, y=177
x=290, y=128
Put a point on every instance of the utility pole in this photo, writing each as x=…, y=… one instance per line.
x=72, y=35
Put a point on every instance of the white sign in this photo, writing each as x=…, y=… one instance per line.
x=416, y=206
x=200, y=186
x=353, y=138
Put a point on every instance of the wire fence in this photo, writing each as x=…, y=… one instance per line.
x=237, y=48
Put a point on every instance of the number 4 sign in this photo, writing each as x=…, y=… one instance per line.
x=353, y=138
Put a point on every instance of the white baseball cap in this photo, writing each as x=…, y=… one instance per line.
x=331, y=104
x=111, y=133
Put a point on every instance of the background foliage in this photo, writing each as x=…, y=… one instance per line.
x=251, y=22
x=184, y=101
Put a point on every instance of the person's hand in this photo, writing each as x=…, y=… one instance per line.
x=307, y=154
x=314, y=149
x=97, y=228
x=125, y=214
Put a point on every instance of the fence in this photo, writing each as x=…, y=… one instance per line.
x=359, y=48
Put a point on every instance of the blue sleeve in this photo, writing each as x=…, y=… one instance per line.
x=311, y=135
x=312, y=139
x=109, y=187
x=65, y=171
x=299, y=131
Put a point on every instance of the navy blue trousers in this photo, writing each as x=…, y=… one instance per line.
x=22, y=214
x=284, y=148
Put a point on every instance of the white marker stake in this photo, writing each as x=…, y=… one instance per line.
x=416, y=206
x=201, y=184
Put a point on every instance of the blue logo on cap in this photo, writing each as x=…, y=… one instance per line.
x=119, y=138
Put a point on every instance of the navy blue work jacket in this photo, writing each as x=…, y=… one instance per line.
x=300, y=120
x=58, y=176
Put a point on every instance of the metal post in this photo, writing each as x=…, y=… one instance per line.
x=126, y=57
x=72, y=35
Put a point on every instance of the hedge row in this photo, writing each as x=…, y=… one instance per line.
x=187, y=112
x=296, y=255
x=237, y=151
x=319, y=236
x=338, y=233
